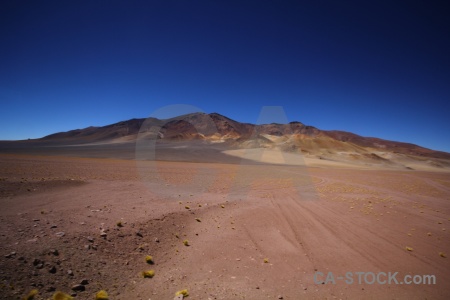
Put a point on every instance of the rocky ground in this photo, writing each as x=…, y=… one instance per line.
x=81, y=225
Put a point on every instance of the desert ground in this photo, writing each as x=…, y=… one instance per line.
x=80, y=223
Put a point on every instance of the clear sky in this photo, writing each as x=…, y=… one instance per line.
x=375, y=68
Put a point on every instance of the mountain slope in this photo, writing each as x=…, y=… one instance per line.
x=295, y=137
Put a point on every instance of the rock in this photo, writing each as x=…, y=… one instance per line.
x=280, y=297
x=84, y=282
x=50, y=289
x=60, y=234
x=78, y=288
x=156, y=240
x=139, y=234
x=54, y=252
x=103, y=234
x=52, y=270
x=87, y=247
x=90, y=239
x=53, y=226
x=39, y=266
x=70, y=272
x=12, y=254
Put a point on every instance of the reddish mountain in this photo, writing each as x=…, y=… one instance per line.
x=215, y=128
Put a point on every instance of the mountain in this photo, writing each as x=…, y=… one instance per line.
x=221, y=132
x=215, y=128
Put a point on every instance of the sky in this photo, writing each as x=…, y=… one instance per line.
x=374, y=68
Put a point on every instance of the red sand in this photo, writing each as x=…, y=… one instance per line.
x=302, y=220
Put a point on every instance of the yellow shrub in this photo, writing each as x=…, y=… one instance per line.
x=101, y=295
x=31, y=295
x=61, y=296
x=149, y=259
x=184, y=292
x=148, y=274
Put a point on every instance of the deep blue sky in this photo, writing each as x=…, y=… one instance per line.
x=375, y=68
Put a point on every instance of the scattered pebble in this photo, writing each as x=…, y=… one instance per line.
x=12, y=254
x=54, y=252
x=78, y=288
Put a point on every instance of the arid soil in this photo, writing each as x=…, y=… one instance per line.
x=79, y=225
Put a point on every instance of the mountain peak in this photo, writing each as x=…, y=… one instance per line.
x=215, y=127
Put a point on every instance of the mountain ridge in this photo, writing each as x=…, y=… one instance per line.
x=192, y=126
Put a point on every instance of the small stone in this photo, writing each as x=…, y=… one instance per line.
x=60, y=234
x=257, y=287
x=52, y=270
x=54, y=252
x=54, y=226
x=39, y=266
x=70, y=272
x=280, y=297
x=156, y=240
x=103, y=234
x=78, y=288
x=139, y=234
x=87, y=247
x=84, y=282
x=50, y=289
x=90, y=239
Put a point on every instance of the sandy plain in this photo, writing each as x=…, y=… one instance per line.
x=254, y=231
